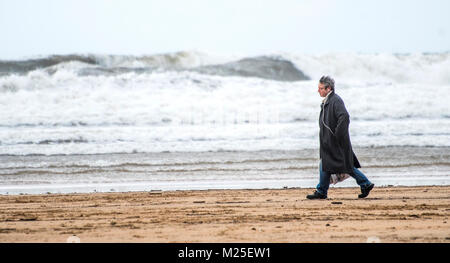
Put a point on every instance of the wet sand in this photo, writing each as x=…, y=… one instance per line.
x=389, y=214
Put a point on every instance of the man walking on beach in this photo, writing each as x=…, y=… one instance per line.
x=336, y=153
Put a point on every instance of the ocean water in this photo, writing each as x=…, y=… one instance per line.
x=190, y=104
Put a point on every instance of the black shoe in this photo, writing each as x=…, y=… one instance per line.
x=365, y=191
x=316, y=195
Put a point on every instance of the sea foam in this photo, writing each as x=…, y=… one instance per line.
x=192, y=101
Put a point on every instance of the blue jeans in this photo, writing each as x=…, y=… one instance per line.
x=324, y=182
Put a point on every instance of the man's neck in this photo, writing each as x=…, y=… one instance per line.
x=326, y=97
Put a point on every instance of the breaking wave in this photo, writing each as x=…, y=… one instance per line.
x=396, y=68
x=267, y=67
x=191, y=101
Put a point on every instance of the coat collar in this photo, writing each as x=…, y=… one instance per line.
x=326, y=100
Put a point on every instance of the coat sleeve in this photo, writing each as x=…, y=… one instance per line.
x=343, y=119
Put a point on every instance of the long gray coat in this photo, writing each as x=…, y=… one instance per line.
x=335, y=147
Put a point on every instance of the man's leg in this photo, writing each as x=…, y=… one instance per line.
x=324, y=181
x=363, y=182
x=361, y=179
x=322, y=187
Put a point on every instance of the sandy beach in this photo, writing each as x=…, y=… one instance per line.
x=389, y=214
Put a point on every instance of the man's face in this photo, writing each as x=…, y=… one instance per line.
x=322, y=91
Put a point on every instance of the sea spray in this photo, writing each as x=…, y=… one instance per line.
x=192, y=101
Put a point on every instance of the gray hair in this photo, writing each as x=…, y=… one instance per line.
x=327, y=81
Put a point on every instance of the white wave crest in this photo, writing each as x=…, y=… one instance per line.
x=376, y=68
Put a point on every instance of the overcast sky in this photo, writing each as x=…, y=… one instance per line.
x=251, y=27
